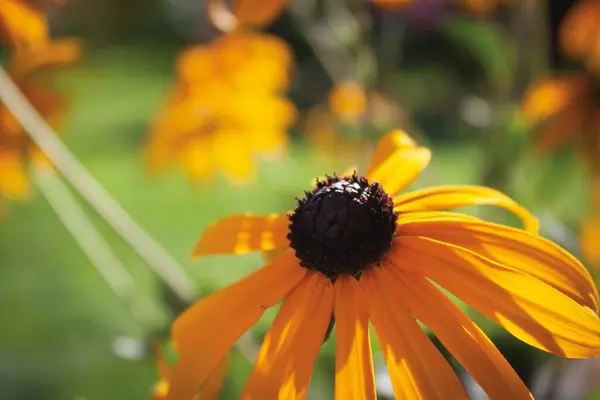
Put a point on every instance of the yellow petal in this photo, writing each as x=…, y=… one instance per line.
x=463, y=339
x=288, y=353
x=400, y=169
x=243, y=233
x=388, y=145
x=417, y=369
x=354, y=376
x=14, y=181
x=448, y=197
x=514, y=249
x=204, y=333
x=197, y=157
x=525, y=306
x=404, y=218
x=214, y=383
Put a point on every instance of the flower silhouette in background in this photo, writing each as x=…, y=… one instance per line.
x=227, y=104
x=352, y=115
x=566, y=107
x=356, y=249
x=34, y=57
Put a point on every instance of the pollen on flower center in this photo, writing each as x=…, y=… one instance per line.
x=342, y=226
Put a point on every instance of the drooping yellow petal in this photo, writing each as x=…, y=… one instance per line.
x=448, y=197
x=416, y=367
x=526, y=307
x=387, y=145
x=243, y=233
x=197, y=158
x=204, y=333
x=354, y=376
x=214, y=383
x=289, y=350
x=258, y=13
x=463, y=339
x=400, y=169
x=514, y=249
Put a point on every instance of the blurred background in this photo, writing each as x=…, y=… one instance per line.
x=183, y=112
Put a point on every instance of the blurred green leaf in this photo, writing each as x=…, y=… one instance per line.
x=488, y=44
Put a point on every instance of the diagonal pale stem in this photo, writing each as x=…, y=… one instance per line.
x=166, y=268
x=67, y=164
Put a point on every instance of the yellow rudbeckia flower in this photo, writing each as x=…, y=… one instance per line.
x=579, y=33
x=225, y=109
x=357, y=249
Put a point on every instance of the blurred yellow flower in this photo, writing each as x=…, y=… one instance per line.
x=342, y=128
x=210, y=390
x=226, y=107
x=579, y=33
x=30, y=69
x=22, y=24
x=348, y=101
x=356, y=250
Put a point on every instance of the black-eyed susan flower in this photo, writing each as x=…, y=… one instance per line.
x=357, y=250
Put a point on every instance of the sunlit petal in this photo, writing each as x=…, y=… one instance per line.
x=243, y=233
x=515, y=249
x=400, y=169
x=206, y=331
x=528, y=308
x=417, y=369
x=289, y=350
x=463, y=339
x=354, y=378
x=448, y=197
x=388, y=145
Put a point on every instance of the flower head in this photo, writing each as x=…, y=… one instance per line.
x=579, y=32
x=226, y=107
x=357, y=250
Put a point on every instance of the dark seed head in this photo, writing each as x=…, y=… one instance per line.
x=342, y=226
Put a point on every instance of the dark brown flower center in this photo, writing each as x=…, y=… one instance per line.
x=342, y=226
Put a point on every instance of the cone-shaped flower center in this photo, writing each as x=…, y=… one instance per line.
x=342, y=226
